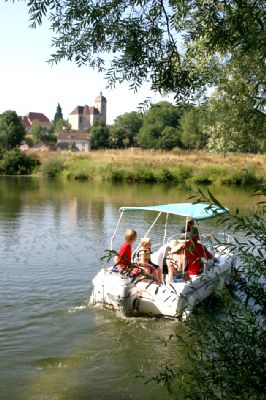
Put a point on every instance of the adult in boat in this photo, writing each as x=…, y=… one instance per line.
x=185, y=231
x=176, y=259
x=195, y=252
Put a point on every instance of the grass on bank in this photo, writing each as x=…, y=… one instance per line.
x=157, y=166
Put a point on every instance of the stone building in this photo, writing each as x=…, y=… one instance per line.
x=82, y=118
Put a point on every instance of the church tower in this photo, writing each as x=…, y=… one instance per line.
x=100, y=103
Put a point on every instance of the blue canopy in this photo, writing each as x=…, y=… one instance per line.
x=198, y=211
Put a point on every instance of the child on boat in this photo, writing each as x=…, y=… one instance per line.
x=123, y=258
x=144, y=260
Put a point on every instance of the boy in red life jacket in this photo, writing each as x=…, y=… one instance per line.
x=124, y=254
x=194, y=252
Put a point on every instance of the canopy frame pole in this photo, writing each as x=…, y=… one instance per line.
x=165, y=227
x=152, y=225
x=117, y=225
x=186, y=223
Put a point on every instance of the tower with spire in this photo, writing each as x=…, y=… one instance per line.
x=100, y=104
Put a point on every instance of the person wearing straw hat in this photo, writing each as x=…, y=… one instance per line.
x=176, y=260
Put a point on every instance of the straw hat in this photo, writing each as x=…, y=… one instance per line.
x=173, y=243
x=175, y=249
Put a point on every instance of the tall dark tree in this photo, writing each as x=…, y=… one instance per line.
x=12, y=131
x=58, y=114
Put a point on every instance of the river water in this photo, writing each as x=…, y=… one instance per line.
x=52, y=344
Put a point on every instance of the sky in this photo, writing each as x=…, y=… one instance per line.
x=29, y=84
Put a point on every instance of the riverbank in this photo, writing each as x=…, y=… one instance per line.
x=136, y=165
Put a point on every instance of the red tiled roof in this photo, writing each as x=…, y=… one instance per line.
x=77, y=110
x=85, y=110
x=33, y=116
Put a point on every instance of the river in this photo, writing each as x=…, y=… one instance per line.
x=52, y=344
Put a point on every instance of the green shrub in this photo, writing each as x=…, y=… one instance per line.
x=130, y=176
x=241, y=177
x=67, y=175
x=14, y=162
x=167, y=176
x=53, y=167
x=183, y=172
x=116, y=175
x=201, y=179
x=82, y=175
x=141, y=172
x=145, y=175
x=244, y=177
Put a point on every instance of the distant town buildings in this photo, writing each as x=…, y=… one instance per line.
x=81, y=119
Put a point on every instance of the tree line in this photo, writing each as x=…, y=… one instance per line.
x=214, y=125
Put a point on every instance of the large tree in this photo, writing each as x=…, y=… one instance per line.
x=160, y=127
x=124, y=130
x=12, y=131
x=192, y=135
x=99, y=136
x=232, y=125
x=177, y=44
